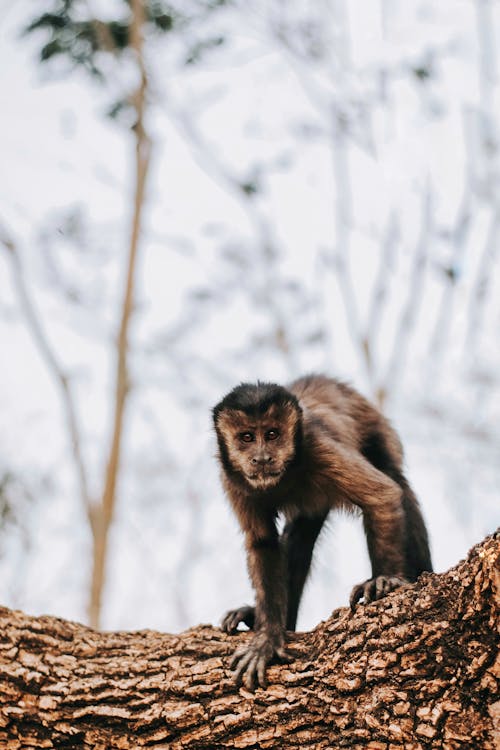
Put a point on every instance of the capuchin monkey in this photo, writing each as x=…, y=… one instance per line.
x=301, y=452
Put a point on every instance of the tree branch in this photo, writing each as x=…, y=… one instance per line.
x=34, y=322
x=418, y=669
x=410, y=309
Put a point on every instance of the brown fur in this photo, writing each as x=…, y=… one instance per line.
x=333, y=449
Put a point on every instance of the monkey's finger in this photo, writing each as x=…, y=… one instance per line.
x=250, y=676
x=238, y=675
x=396, y=583
x=226, y=623
x=369, y=591
x=230, y=622
x=381, y=587
x=386, y=584
x=261, y=672
x=282, y=655
x=241, y=663
x=238, y=657
x=245, y=614
x=233, y=618
x=356, y=595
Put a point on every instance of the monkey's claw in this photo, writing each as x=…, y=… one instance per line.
x=250, y=662
x=375, y=588
x=233, y=618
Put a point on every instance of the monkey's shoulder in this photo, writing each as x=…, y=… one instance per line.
x=316, y=391
x=321, y=387
x=335, y=408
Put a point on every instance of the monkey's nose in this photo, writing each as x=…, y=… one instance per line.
x=262, y=460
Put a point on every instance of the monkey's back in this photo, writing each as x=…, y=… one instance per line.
x=344, y=413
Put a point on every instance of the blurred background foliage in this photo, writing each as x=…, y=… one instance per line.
x=198, y=193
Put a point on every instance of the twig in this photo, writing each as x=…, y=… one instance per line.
x=41, y=340
x=343, y=218
x=410, y=310
x=212, y=166
x=380, y=288
x=445, y=313
x=482, y=284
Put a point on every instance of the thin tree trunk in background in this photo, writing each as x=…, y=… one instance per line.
x=411, y=306
x=48, y=353
x=417, y=670
x=101, y=515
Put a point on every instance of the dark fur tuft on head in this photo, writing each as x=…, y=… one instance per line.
x=254, y=399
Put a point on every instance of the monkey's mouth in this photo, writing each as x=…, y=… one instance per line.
x=264, y=478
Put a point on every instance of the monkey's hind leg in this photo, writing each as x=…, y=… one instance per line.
x=298, y=540
x=380, y=499
x=416, y=543
x=417, y=553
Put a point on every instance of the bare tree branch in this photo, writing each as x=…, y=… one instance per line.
x=214, y=167
x=34, y=322
x=343, y=223
x=416, y=669
x=410, y=309
x=380, y=288
x=482, y=283
x=451, y=274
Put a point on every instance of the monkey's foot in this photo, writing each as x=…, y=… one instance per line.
x=233, y=618
x=250, y=661
x=375, y=588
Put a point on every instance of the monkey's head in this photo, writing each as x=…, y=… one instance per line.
x=258, y=430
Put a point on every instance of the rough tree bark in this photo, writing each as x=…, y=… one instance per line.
x=419, y=669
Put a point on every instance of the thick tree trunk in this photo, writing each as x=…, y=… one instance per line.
x=419, y=669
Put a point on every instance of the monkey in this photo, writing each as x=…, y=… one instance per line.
x=299, y=452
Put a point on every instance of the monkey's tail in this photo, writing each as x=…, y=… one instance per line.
x=417, y=553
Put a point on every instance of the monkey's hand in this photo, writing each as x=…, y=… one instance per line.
x=250, y=661
x=375, y=588
x=233, y=618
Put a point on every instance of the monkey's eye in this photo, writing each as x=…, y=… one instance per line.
x=247, y=437
x=272, y=434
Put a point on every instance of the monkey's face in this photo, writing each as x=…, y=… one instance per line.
x=259, y=447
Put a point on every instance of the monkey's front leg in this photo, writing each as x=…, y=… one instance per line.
x=266, y=568
x=250, y=662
